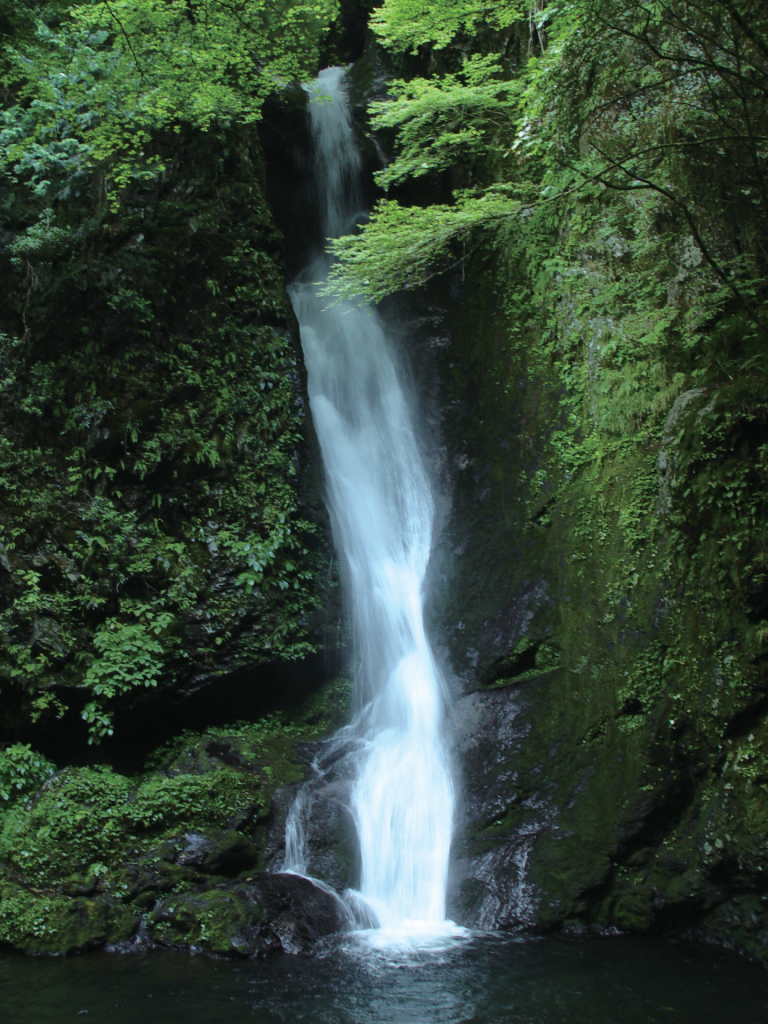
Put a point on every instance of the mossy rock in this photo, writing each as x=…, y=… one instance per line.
x=46, y=922
x=602, y=597
x=259, y=915
x=93, y=851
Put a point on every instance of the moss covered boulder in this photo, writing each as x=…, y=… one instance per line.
x=264, y=914
x=45, y=921
x=175, y=855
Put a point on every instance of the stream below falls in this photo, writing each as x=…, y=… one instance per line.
x=484, y=980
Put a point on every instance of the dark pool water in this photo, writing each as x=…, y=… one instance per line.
x=487, y=980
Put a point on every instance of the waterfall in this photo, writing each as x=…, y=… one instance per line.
x=382, y=510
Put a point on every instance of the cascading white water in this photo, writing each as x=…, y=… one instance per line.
x=382, y=512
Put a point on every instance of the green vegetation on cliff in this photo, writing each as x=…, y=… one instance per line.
x=150, y=402
x=153, y=532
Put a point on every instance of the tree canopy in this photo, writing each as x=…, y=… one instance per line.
x=94, y=80
x=664, y=99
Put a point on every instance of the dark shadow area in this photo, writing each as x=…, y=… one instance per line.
x=247, y=695
x=347, y=38
x=287, y=144
x=748, y=720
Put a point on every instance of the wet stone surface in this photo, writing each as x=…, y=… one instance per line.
x=254, y=917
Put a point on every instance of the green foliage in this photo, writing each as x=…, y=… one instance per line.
x=96, y=82
x=403, y=247
x=599, y=164
x=318, y=717
x=38, y=922
x=589, y=113
x=442, y=121
x=86, y=850
x=128, y=653
x=149, y=421
x=150, y=524
x=90, y=848
x=89, y=820
x=22, y=771
x=209, y=921
x=408, y=24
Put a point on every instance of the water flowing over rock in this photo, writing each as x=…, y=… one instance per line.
x=382, y=512
x=260, y=915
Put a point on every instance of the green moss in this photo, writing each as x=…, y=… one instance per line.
x=212, y=921
x=46, y=922
x=610, y=584
x=91, y=850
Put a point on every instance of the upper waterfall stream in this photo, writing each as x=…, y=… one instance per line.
x=382, y=510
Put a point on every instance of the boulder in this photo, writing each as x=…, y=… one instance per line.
x=260, y=915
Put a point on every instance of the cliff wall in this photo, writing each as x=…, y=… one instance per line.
x=602, y=602
x=152, y=431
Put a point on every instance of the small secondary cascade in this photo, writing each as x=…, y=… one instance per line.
x=382, y=512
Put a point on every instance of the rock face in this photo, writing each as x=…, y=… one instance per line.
x=610, y=683
x=261, y=915
x=228, y=853
x=492, y=880
x=321, y=810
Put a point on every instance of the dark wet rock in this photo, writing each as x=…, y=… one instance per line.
x=489, y=887
x=260, y=915
x=330, y=836
x=323, y=804
x=228, y=853
x=333, y=853
x=225, y=752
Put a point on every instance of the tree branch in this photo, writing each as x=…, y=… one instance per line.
x=683, y=207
